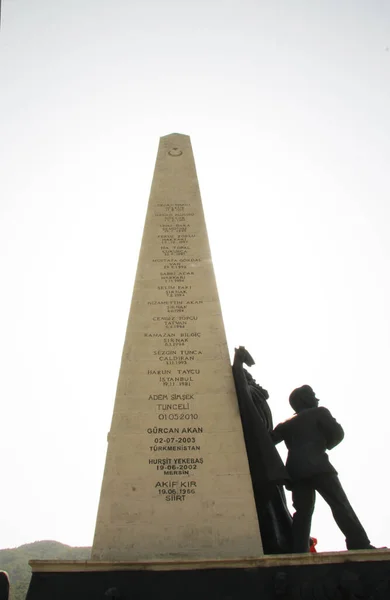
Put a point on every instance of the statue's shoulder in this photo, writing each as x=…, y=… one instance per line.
x=322, y=410
x=288, y=421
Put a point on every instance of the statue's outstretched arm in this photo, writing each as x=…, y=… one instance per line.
x=241, y=357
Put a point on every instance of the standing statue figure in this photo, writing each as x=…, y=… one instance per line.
x=307, y=435
x=266, y=467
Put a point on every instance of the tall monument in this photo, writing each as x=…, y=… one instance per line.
x=176, y=483
x=177, y=514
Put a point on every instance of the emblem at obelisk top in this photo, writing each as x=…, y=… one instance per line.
x=176, y=482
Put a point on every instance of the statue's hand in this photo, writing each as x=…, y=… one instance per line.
x=242, y=354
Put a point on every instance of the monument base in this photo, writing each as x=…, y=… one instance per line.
x=360, y=574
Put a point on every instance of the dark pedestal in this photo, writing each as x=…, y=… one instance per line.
x=360, y=575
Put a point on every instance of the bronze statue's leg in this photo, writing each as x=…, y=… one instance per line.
x=303, y=496
x=329, y=486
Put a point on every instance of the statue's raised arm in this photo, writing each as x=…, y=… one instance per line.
x=247, y=387
x=242, y=357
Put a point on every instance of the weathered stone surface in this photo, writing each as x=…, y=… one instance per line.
x=176, y=482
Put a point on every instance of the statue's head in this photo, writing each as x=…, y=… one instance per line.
x=302, y=398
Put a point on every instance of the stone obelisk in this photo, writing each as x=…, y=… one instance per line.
x=176, y=483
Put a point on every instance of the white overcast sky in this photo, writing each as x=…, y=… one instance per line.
x=287, y=103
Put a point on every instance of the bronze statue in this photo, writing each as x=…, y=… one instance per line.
x=266, y=467
x=307, y=435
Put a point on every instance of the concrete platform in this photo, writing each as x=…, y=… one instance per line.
x=364, y=575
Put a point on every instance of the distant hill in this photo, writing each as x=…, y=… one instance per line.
x=15, y=561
